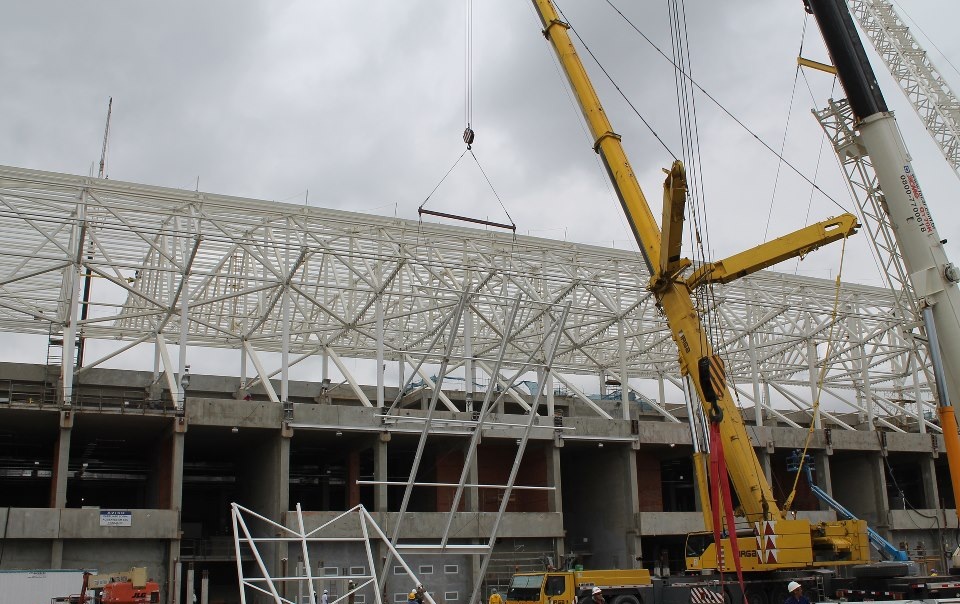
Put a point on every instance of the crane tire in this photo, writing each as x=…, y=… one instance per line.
x=627, y=599
x=881, y=570
x=778, y=594
x=756, y=596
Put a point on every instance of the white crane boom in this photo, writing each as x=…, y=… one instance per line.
x=909, y=65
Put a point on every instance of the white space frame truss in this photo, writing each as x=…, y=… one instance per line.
x=201, y=269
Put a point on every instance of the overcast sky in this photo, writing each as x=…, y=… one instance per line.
x=362, y=104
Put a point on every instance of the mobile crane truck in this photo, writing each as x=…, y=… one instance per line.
x=727, y=563
x=127, y=587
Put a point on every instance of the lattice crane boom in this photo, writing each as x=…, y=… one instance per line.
x=910, y=66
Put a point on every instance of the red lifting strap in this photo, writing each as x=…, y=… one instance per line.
x=723, y=500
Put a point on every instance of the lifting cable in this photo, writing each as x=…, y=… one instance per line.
x=722, y=500
x=421, y=210
x=723, y=108
x=820, y=377
x=699, y=235
x=614, y=83
x=786, y=130
x=468, y=137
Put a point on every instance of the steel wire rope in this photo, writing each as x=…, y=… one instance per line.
x=816, y=169
x=686, y=108
x=821, y=376
x=723, y=108
x=935, y=517
x=786, y=131
x=442, y=179
x=706, y=294
x=580, y=118
x=468, y=135
x=468, y=66
x=886, y=461
x=615, y=85
x=850, y=192
x=495, y=194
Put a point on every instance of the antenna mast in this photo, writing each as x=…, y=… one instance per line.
x=106, y=135
x=87, y=273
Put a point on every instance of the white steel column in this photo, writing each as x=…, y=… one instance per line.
x=71, y=286
x=468, y=371
x=264, y=378
x=182, y=357
x=378, y=310
x=865, y=377
x=285, y=346
x=814, y=379
x=921, y=424
x=624, y=387
x=755, y=378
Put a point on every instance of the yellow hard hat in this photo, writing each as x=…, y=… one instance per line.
x=412, y=596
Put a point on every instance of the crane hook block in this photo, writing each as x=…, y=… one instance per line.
x=708, y=388
x=706, y=381
x=468, y=136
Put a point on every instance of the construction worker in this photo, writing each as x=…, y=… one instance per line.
x=598, y=598
x=796, y=594
x=420, y=593
x=495, y=597
x=412, y=597
x=325, y=598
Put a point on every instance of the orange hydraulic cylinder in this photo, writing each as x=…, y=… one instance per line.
x=948, y=422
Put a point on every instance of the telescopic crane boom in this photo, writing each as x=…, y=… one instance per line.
x=801, y=544
x=933, y=277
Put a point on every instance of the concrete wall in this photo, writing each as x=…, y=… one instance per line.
x=610, y=495
x=599, y=505
x=427, y=525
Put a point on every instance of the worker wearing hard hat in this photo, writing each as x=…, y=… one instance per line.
x=796, y=594
x=495, y=597
x=597, y=596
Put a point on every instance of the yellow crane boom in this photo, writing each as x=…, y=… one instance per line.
x=803, y=544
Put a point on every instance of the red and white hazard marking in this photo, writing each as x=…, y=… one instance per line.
x=703, y=595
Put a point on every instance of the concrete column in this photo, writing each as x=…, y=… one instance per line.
x=61, y=461
x=555, y=497
x=764, y=458
x=380, y=474
x=821, y=465
x=191, y=591
x=175, y=583
x=928, y=475
x=879, y=469
x=60, y=475
x=171, y=497
x=205, y=587
x=353, y=474
x=630, y=483
x=283, y=469
x=471, y=495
